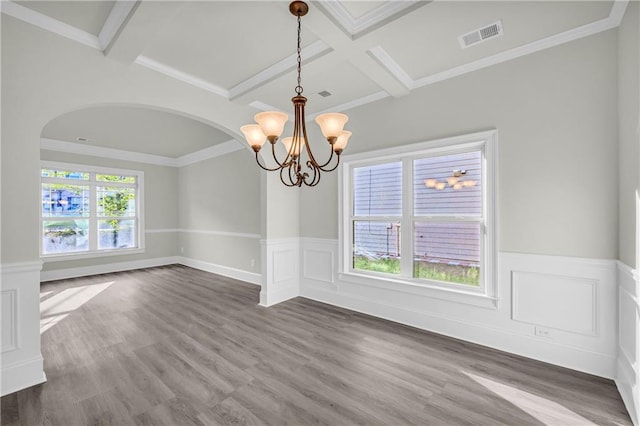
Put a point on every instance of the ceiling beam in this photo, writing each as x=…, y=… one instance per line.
x=140, y=28
x=355, y=52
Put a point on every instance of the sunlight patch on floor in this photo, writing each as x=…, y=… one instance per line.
x=57, y=307
x=545, y=410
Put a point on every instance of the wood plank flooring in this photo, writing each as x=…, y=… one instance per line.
x=177, y=346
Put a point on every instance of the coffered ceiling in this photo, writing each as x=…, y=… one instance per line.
x=358, y=51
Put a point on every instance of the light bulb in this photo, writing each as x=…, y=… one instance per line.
x=440, y=185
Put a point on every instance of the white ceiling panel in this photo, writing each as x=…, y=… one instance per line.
x=358, y=9
x=225, y=42
x=135, y=129
x=88, y=16
x=425, y=41
x=340, y=78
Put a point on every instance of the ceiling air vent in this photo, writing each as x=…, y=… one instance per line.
x=481, y=34
x=324, y=93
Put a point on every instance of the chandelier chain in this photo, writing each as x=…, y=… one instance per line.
x=299, y=86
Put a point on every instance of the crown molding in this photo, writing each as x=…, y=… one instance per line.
x=117, y=17
x=180, y=75
x=139, y=157
x=98, y=151
x=612, y=21
x=357, y=27
x=209, y=152
x=45, y=22
x=311, y=52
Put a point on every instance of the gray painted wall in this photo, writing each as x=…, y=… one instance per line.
x=160, y=209
x=219, y=203
x=556, y=113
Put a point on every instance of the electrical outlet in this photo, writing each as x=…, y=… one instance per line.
x=253, y=263
x=543, y=332
x=181, y=250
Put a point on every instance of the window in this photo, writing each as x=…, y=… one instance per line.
x=88, y=211
x=422, y=214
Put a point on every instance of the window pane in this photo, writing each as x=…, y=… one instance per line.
x=64, y=236
x=447, y=251
x=116, y=178
x=376, y=246
x=64, y=200
x=65, y=174
x=116, y=233
x=377, y=190
x=448, y=184
x=116, y=202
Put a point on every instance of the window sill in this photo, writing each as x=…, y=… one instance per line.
x=425, y=290
x=89, y=255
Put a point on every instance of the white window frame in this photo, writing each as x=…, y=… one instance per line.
x=487, y=294
x=93, y=251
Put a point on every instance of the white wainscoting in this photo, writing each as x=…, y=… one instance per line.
x=628, y=374
x=559, y=310
x=280, y=270
x=22, y=364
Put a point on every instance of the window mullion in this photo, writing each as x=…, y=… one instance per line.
x=93, y=213
x=406, y=227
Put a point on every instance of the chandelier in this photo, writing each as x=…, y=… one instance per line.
x=294, y=170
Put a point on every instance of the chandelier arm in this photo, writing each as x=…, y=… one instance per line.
x=316, y=174
x=273, y=153
x=334, y=167
x=290, y=183
x=322, y=167
x=264, y=167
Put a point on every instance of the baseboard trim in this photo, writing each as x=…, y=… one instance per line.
x=63, y=274
x=238, y=274
x=599, y=364
x=22, y=374
x=278, y=296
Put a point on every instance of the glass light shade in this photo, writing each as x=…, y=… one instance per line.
x=271, y=122
x=430, y=183
x=469, y=183
x=457, y=186
x=452, y=180
x=287, y=144
x=342, y=141
x=440, y=185
x=331, y=124
x=253, y=134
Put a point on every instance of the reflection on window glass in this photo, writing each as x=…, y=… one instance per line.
x=116, y=201
x=377, y=190
x=115, y=233
x=64, y=174
x=448, y=184
x=62, y=236
x=376, y=246
x=447, y=251
x=64, y=200
x=89, y=212
x=115, y=178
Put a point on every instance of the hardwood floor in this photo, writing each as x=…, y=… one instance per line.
x=177, y=346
